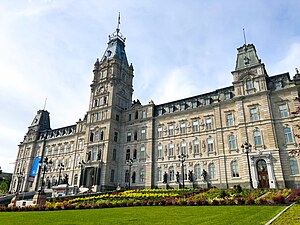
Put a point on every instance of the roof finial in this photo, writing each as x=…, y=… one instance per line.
x=118, y=27
x=45, y=104
x=244, y=36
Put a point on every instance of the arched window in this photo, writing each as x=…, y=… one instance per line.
x=231, y=142
x=234, y=169
x=211, y=170
x=294, y=165
x=288, y=135
x=159, y=174
x=197, y=172
x=257, y=138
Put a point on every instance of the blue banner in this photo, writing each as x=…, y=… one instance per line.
x=34, y=167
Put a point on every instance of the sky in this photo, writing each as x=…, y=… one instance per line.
x=178, y=49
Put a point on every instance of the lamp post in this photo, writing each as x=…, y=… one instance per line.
x=247, y=147
x=61, y=166
x=44, y=165
x=129, y=163
x=181, y=158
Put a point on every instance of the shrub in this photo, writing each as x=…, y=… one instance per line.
x=250, y=200
x=262, y=201
x=240, y=201
x=215, y=202
x=279, y=199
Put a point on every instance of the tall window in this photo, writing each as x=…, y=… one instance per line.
x=283, y=111
x=249, y=84
x=135, y=135
x=65, y=148
x=196, y=146
x=136, y=115
x=79, y=146
x=257, y=138
x=171, y=172
x=195, y=126
x=142, y=175
x=229, y=119
x=253, y=114
x=208, y=123
x=294, y=165
x=183, y=147
x=143, y=134
x=128, y=136
x=234, y=169
x=159, y=174
x=194, y=104
x=159, y=151
x=143, y=114
x=231, y=142
x=182, y=128
x=96, y=138
x=143, y=153
x=127, y=175
x=112, y=176
x=116, y=136
x=159, y=132
x=77, y=162
x=171, y=129
x=210, y=144
x=114, y=156
x=197, y=173
x=69, y=162
x=134, y=154
x=211, y=170
x=171, y=149
x=94, y=154
x=127, y=154
x=288, y=135
x=75, y=179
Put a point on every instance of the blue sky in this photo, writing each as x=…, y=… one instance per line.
x=178, y=49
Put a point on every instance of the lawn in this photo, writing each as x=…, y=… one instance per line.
x=147, y=215
x=291, y=216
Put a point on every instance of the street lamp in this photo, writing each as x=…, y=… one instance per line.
x=181, y=158
x=129, y=163
x=247, y=147
x=61, y=166
x=44, y=165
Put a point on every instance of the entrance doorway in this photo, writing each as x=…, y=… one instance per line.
x=262, y=172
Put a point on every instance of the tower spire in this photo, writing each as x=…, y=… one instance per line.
x=119, y=22
x=244, y=36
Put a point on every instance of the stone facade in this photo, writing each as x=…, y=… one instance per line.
x=208, y=129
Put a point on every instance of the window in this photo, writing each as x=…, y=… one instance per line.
x=288, y=138
x=231, y=142
x=127, y=175
x=58, y=149
x=171, y=172
x=143, y=153
x=142, y=175
x=278, y=84
x=135, y=135
x=75, y=179
x=143, y=134
x=77, y=161
x=171, y=109
x=195, y=126
x=234, y=169
x=196, y=146
x=159, y=151
x=72, y=147
x=114, y=156
x=134, y=154
x=211, y=170
x=128, y=136
x=136, y=115
x=91, y=137
x=116, y=136
x=112, y=176
x=96, y=136
x=208, y=123
x=94, y=154
x=160, y=112
x=253, y=114
x=117, y=117
x=207, y=101
x=69, y=162
x=227, y=95
x=159, y=174
x=194, y=104
x=133, y=177
x=182, y=106
x=210, y=144
x=171, y=129
x=183, y=147
x=102, y=135
x=229, y=119
x=257, y=138
x=182, y=128
x=127, y=154
x=171, y=149
x=283, y=111
x=129, y=117
x=294, y=165
x=159, y=132
x=249, y=84
x=65, y=148
x=79, y=146
x=197, y=173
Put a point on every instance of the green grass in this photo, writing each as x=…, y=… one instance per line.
x=147, y=215
x=291, y=216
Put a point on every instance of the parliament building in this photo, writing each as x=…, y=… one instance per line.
x=244, y=134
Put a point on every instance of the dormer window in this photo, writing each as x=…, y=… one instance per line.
x=278, y=84
x=249, y=84
x=207, y=101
